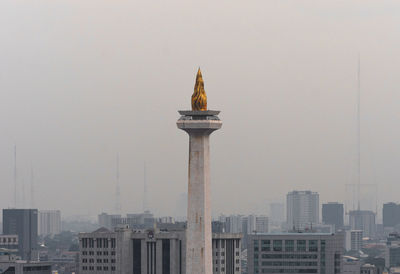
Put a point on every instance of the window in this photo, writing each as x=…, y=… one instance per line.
x=91, y=243
x=105, y=268
x=222, y=243
x=265, y=245
x=112, y=242
x=301, y=245
x=105, y=241
x=98, y=242
x=217, y=243
x=277, y=245
x=289, y=245
x=105, y=253
x=237, y=243
x=84, y=242
x=313, y=245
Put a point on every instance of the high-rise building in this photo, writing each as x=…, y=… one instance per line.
x=351, y=265
x=333, y=214
x=127, y=251
x=353, y=240
x=261, y=224
x=199, y=123
x=363, y=220
x=302, y=210
x=24, y=223
x=391, y=214
x=277, y=213
x=49, y=222
x=106, y=220
x=295, y=253
x=392, y=252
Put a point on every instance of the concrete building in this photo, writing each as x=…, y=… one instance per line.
x=105, y=220
x=302, y=209
x=368, y=269
x=295, y=253
x=392, y=253
x=277, y=213
x=353, y=240
x=333, y=214
x=261, y=224
x=234, y=224
x=10, y=264
x=351, y=265
x=49, y=222
x=363, y=220
x=127, y=251
x=24, y=223
x=199, y=124
x=391, y=214
x=9, y=242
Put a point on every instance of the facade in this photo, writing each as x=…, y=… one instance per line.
x=295, y=253
x=363, y=220
x=392, y=253
x=277, y=213
x=391, y=214
x=302, y=210
x=49, y=222
x=354, y=240
x=105, y=220
x=333, y=214
x=368, y=269
x=9, y=242
x=24, y=223
x=351, y=265
x=10, y=264
x=127, y=251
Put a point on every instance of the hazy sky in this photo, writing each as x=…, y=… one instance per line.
x=83, y=80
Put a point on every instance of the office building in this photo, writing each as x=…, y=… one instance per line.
x=24, y=223
x=351, y=265
x=363, y=220
x=11, y=264
x=391, y=214
x=392, y=252
x=9, y=242
x=261, y=224
x=49, y=222
x=333, y=214
x=353, y=240
x=127, y=251
x=277, y=213
x=105, y=220
x=302, y=210
x=295, y=253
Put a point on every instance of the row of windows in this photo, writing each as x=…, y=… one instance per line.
x=289, y=245
x=282, y=270
x=221, y=243
x=98, y=268
x=287, y=256
x=285, y=263
x=8, y=240
x=91, y=260
x=223, y=261
x=100, y=242
x=98, y=253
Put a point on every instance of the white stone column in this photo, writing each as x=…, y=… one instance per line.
x=199, y=125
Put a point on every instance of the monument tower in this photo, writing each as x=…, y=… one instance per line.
x=199, y=123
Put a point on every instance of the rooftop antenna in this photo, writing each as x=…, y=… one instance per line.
x=117, y=189
x=358, y=133
x=15, y=176
x=144, y=188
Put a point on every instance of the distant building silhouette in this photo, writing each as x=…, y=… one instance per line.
x=302, y=210
x=24, y=223
x=333, y=214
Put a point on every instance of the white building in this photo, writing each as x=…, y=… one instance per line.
x=49, y=223
x=302, y=210
x=262, y=224
x=353, y=240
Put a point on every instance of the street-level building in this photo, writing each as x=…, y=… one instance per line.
x=127, y=251
x=295, y=253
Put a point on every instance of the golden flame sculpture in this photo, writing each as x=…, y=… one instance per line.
x=199, y=97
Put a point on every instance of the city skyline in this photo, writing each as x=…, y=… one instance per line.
x=77, y=96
